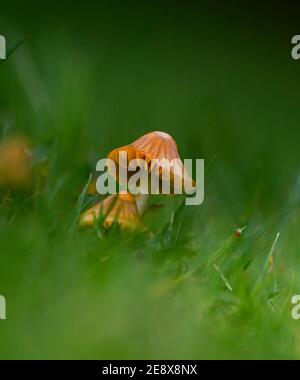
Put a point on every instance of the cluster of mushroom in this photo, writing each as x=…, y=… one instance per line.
x=127, y=209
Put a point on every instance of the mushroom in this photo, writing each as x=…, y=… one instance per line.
x=160, y=153
x=15, y=162
x=117, y=208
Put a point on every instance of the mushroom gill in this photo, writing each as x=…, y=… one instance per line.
x=117, y=208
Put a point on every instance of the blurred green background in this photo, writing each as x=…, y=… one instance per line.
x=94, y=76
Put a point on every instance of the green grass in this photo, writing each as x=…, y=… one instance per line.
x=193, y=289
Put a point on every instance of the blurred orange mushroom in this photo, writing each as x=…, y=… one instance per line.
x=15, y=162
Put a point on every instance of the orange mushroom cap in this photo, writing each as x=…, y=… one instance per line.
x=117, y=208
x=15, y=162
x=151, y=147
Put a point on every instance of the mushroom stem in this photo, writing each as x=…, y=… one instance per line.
x=141, y=201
